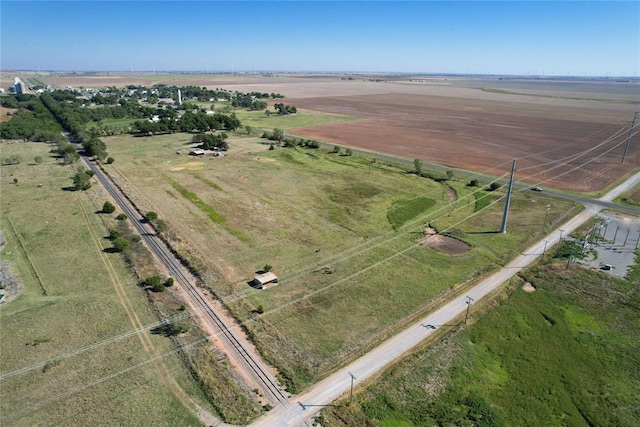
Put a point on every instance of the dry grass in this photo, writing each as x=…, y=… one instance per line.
x=55, y=234
x=301, y=210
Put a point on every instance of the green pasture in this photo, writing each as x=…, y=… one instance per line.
x=325, y=223
x=304, y=118
x=564, y=354
x=55, y=243
x=119, y=124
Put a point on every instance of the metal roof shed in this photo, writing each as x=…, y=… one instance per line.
x=263, y=279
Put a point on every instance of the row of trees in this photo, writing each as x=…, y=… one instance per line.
x=189, y=122
x=74, y=124
x=283, y=110
x=32, y=121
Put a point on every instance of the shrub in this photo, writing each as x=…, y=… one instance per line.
x=494, y=186
x=151, y=216
x=168, y=282
x=110, y=160
x=120, y=244
x=114, y=234
x=267, y=267
x=108, y=207
x=154, y=283
x=121, y=217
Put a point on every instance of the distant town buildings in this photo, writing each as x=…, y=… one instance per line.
x=18, y=86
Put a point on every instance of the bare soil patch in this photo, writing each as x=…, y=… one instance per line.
x=442, y=243
x=528, y=287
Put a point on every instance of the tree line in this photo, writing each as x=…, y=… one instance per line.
x=189, y=122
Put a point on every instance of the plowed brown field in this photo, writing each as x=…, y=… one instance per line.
x=485, y=135
x=568, y=134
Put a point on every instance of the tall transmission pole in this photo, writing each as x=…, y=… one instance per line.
x=503, y=228
x=626, y=146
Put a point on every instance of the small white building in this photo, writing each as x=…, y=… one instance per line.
x=261, y=280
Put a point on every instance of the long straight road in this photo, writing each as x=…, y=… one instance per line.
x=336, y=385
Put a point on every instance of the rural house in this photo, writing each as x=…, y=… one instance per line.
x=263, y=279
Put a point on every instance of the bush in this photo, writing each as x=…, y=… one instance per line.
x=151, y=216
x=494, y=186
x=38, y=159
x=169, y=282
x=120, y=244
x=114, y=234
x=121, y=217
x=154, y=283
x=110, y=160
x=108, y=207
x=267, y=267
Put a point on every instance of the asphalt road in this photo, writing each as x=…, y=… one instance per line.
x=447, y=316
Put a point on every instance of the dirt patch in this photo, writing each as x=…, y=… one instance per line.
x=442, y=243
x=192, y=166
x=10, y=284
x=528, y=287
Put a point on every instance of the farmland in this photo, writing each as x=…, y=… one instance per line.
x=561, y=355
x=491, y=120
x=351, y=237
x=326, y=223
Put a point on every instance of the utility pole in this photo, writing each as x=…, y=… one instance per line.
x=544, y=251
x=351, y=393
x=505, y=216
x=469, y=301
x=626, y=146
x=559, y=242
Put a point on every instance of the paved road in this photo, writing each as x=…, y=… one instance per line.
x=336, y=385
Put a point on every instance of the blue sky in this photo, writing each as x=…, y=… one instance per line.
x=508, y=37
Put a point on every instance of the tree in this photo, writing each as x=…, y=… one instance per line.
x=336, y=149
x=271, y=147
x=120, y=244
x=348, y=152
x=267, y=113
x=110, y=160
x=154, y=283
x=38, y=159
x=168, y=282
x=277, y=135
x=108, y=207
x=494, y=186
x=82, y=179
x=473, y=183
x=449, y=175
x=417, y=164
x=121, y=217
x=151, y=216
x=267, y=267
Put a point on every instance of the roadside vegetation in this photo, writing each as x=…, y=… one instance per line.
x=564, y=354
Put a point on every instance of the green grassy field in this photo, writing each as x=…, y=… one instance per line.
x=304, y=118
x=562, y=355
x=323, y=222
x=69, y=357
x=118, y=124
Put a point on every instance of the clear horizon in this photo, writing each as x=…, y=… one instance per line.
x=551, y=39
